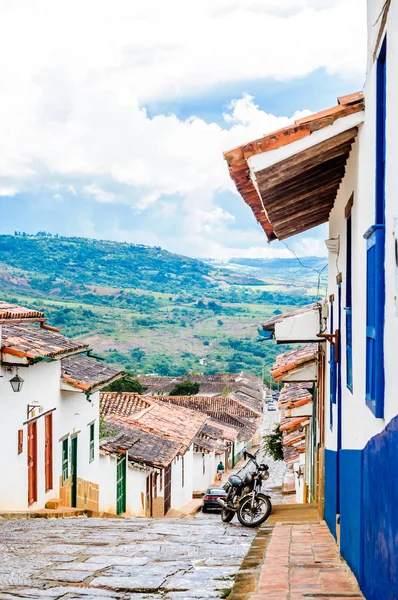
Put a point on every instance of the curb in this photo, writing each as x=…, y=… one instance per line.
x=247, y=578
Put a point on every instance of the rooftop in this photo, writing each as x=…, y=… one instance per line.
x=290, y=177
x=293, y=396
x=15, y=312
x=294, y=359
x=269, y=324
x=141, y=446
x=179, y=425
x=87, y=374
x=32, y=342
x=214, y=406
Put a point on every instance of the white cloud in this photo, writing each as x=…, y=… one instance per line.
x=99, y=194
x=8, y=191
x=77, y=76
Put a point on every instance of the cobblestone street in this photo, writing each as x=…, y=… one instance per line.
x=114, y=558
x=127, y=559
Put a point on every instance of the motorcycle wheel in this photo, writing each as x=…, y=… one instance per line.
x=227, y=515
x=253, y=517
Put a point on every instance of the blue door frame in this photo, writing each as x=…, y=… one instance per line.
x=339, y=400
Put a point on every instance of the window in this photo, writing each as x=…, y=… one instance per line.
x=183, y=472
x=92, y=449
x=332, y=366
x=375, y=255
x=348, y=316
x=65, y=461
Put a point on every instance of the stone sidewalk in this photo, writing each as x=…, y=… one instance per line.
x=294, y=561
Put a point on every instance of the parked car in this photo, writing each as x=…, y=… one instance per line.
x=210, y=498
x=272, y=405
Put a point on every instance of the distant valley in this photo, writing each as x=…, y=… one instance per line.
x=152, y=311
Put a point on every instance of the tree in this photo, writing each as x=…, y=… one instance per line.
x=125, y=385
x=185, y=388
x=273, y=443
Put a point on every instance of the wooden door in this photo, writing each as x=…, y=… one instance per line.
x=74, y=472
x=149, y=496
x=32, y=462
x=48, y=451
x=121, y=485
x=167, y=489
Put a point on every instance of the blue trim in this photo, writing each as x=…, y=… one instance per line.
x=375, y=301
x=331, y=489
x=348, y=318
x=351, y=509
x=332, y=370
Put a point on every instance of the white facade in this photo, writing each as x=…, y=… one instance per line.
x=205, y=470
x=71, y=414
x=182, y=479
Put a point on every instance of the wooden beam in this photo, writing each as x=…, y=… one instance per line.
x=302, y=195
x=294, y=169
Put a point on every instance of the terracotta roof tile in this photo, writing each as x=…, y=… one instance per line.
x=228, y=433
x=290, y=454
x=291, y=423
x=291, y=439
x=239, y=170
x=140, y=446
x=87, y=374
x=10, y=311
x=31, y=342
x=122, y=404
x=180, y=425
x=295, y=395
x=214, y=406
x=294, y=359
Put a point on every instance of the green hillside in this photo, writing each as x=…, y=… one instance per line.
x=148, y=309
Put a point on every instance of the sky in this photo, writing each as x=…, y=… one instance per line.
x=114, y=114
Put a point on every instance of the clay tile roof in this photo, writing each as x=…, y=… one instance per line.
x=228, y=432
x=291, y=439
x=269, y=324
x=290, y=454
x=122, y=404
x=214, y=406
x=140, y=446
x=179, y=425
x=294, y=359
x=14, y=312
x=295, y=395
x=306, y=183
x=87, y=374
x=292, y=423
x=31, y=342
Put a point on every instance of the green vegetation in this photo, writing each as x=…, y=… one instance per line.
x=125, y=385
x=273, y=443
x=185, y=388
x=150, y=311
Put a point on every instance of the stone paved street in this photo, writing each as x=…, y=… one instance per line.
x=125, y=559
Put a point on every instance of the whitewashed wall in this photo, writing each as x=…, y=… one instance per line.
x=204, y=468
x=72, y=413
x=136, y=490
x=107, y=483
x=181, y=495
x=360, y=179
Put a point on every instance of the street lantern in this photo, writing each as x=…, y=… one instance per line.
x=16, y=383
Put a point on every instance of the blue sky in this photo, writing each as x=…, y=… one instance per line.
x=120, y=135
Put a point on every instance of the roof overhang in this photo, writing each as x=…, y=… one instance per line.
x=308, y=372
x=290, y=178
x=298, y=328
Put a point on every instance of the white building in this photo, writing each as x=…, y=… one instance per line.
x=338, y=166
x=49, y=430
x=156, y=438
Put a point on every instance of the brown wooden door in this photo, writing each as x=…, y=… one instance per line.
x=167, y=489
x=32, y=462
x=48, y=451
x=149, y=486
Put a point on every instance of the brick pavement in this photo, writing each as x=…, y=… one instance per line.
x=302, y=562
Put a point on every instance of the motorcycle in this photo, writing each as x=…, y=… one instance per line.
x=245, y=498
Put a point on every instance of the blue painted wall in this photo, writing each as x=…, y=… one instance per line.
x=380, y=515
x=351, y=509
x=331, y=489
